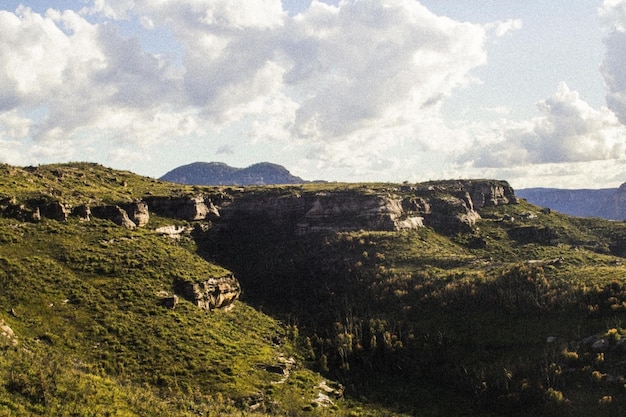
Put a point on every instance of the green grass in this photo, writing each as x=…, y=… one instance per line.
x=86, y=298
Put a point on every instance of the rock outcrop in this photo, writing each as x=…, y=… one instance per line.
x=137, y=212
x=449, y=206
x=536, y=234
x=211, y=293
x=114, y=213
x=7, y=335
x=34, y=210
x=184, y=207
x=55, y=210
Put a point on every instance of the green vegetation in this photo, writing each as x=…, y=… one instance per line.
x=524, y=314
x=486, y=321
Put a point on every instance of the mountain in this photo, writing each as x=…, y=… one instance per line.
x=129, y=296
x=218, y=173
x=608, y=203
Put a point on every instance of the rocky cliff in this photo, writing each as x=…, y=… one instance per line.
x=447, y=206
x=211, y=293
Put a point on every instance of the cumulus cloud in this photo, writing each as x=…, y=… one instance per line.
x=502, y=28
x=72, y=71
x=370, y=61
x=613, y=12
x=366, y=75
x=568, y=130
x=613, y=70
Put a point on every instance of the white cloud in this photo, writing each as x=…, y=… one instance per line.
x=613, y=69
x=613, y=12
x=346, y=67
x=77, y=72
x=568, y=130
x=366, y=75
x=365, y=62
x=14, y=126
x=502, y=28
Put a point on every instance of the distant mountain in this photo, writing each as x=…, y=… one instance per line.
x=607, y=203
x=218, y=173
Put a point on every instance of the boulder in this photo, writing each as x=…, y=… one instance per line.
x=171, y=231
x=170, y=302
x=7, y=335
x=211, y=293
x=451, y=214
x=600, y=345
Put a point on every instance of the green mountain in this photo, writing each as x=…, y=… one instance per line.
x=218, y=173
x=128, y=296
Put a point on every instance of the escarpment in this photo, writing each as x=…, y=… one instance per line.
x=448, y=206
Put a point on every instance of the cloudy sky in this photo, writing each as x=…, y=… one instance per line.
x=530, y=91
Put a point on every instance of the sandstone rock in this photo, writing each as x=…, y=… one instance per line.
x=35, y=215
x=55, y=210
x=184, y=208
x=490, y=193
x=171, y=231
x=114, y=213
x=449, y=206
x=211, y=293
x=7, y=335
x=409, y=223
x=416, y=204
x=137, y=212
x=352, y=211
x=452, y=214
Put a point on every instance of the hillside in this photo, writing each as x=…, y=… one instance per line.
x=129, y=296
x=606, y=203
x=217, y=173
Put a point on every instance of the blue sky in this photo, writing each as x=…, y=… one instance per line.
x=532, y=92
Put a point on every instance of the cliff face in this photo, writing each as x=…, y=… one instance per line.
x=448, y=206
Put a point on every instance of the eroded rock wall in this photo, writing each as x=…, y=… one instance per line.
x=449, y=206
x=211, y=293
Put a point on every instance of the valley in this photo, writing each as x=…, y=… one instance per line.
x=435, y=299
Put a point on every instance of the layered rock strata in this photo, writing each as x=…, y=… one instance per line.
x=449, y=206
x=211, y=293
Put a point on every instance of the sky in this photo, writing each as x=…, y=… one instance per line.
x=531, y=92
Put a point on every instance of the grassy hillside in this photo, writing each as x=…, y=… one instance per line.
x=523, y=314
x=91, y=336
